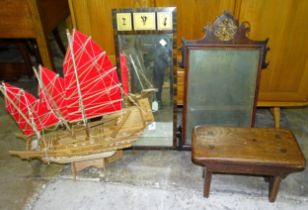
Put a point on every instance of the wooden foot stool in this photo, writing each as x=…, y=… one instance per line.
x=270, y=152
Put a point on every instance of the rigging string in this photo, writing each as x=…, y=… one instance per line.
x=94, y=93
x=136, y=71
x=88, y=66
x=30, y=113
x=142, y=73
x=46, y=94
x=128, y=95
x=15, y=110
x=99, y=68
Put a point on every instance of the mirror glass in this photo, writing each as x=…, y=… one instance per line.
x=150, y=62
x=221, y=87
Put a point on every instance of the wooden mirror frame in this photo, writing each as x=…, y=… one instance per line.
x=155, y=31
x=225, y=33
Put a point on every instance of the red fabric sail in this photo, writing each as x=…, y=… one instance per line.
x=30, y=114
x=45, y=116
x=25, y=103
x=53, y=91
x=124, y=73
x=93, y=84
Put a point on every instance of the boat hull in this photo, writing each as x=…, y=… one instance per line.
x=113, y=132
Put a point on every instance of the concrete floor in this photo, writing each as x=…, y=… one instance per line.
x=159, y=179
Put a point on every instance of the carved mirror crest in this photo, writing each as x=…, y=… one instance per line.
x=147, y=37
x=222, y=76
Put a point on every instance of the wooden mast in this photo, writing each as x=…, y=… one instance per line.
x=81, y=105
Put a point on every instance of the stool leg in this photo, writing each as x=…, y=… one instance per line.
x=274, y=187
x=207, y=183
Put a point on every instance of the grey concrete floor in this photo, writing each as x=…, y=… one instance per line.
x=154, y=179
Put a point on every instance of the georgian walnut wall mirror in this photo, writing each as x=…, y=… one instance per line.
x=222, y=76
x=147, y=37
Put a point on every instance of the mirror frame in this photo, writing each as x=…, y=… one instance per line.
x=225, y=33
x=155, y=31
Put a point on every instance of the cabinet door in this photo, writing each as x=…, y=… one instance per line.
x=194, y=15
x=285, y=24
x=95, y=18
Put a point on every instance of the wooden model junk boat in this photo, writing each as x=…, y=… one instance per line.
x=81, y=116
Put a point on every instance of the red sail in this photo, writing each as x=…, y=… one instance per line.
x=30, y=114
x=91, y=82
x=124, y=73
x=45, y=116
x=53, y=91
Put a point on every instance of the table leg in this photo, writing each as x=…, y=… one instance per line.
x=276, y=114
x=207, y=182
x=274, y=187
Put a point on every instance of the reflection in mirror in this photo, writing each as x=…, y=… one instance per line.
x=150, y=63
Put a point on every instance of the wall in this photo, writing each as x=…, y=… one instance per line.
x=283, y=22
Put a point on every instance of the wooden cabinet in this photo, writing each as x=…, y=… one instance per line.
x=22, y=19
x=283, y=83
x=95, y=18
x=192, y=16
x=285, y=23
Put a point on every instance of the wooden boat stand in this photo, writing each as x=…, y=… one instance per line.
x=99, y=163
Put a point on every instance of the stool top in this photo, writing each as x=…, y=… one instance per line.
x=269, y=146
